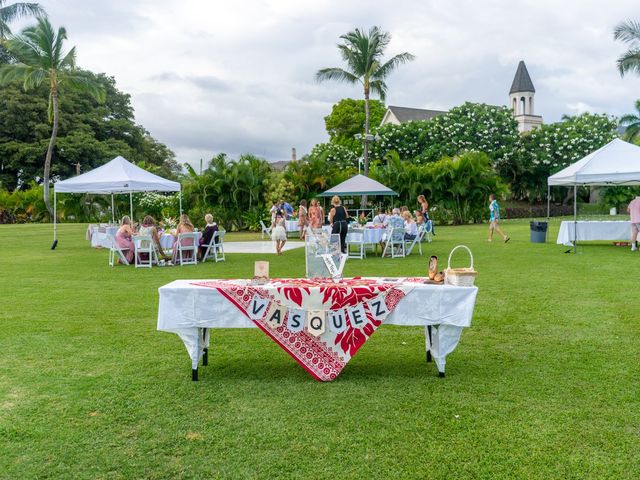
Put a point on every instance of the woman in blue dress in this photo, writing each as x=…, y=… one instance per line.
x=494, y=218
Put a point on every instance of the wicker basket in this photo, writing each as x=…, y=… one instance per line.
x=460, y=277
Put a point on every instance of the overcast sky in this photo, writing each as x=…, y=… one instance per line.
x=238, y=77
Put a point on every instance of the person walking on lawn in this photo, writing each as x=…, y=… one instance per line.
x=494, y=218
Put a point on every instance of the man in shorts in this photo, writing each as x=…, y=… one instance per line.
x=494, y=218
x=634, y=213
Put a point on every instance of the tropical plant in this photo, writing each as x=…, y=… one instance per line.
x=461, y=185
x=334, y=155
x=552, y=147
x=347, y=118
x=16, y=11
x=632, y=123
x=90, y=134
x=629, y=33
x=362, y=52
x=40, y=56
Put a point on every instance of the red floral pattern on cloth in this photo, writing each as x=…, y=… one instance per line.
x=324, y=356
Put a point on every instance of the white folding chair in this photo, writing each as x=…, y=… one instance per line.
x=210, y=252
x=412, y=243
x=265, y=231
x=116, y=252
x=218, y=251
x=428, y=230
x=187, y=247
x=395, y=243
x=356, y=239
x=143, y=247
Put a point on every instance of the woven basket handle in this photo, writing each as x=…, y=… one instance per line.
x=454, y=249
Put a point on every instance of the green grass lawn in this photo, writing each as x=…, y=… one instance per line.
x=545, y=384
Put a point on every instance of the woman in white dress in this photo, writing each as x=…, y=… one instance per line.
x=279, y=234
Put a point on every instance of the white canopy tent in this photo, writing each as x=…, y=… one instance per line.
x=117, y=176
x=617, y=163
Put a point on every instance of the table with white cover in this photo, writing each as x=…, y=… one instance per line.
x=291, y=226
x=167, y=240
x=101, y=239
x=189, y=309
x=613, y=230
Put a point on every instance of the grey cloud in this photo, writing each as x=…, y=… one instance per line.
x=238, y=77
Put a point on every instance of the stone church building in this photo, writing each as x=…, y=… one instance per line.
x=521, y=102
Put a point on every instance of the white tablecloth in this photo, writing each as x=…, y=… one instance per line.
x=101, y=239
x=167, y=240
x=291, y=226
x=594, y=230
x=185, y=309
x=370, y=235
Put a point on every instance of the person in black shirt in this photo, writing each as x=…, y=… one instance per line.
x=338, y=220
x=207, y=234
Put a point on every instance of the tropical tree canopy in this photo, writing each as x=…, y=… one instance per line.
x=40, y=58
x=347, y=118
x=629, y=33
x=15, y=11
x=363, y=54
x=632, y=123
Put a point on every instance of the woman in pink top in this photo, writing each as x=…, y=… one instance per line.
x=123, y=238
x=634, y=213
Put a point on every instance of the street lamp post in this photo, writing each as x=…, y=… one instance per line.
x=366, y=139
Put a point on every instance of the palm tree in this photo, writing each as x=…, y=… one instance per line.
x=40, y=57
x=632, y=122
x=629, y=32
x=363, y=52
x=15, y=11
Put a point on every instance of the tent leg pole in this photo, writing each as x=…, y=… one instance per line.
x=548, y=201
x=55, y=226
x=548, y=209
x=113, y=213
x=180, y=199
x=575, y=219
x=131, y=206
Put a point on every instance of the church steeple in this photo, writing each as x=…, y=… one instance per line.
x=522, y=81
x=521, y=97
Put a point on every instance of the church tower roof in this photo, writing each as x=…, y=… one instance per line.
x=522, y=81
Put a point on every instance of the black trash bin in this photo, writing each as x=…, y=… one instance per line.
x=538, y=232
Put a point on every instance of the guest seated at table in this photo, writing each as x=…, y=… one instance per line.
x=123, y=238
x=380, y=217
x=207, y=234
x=394, y=220
x=149, y=228
x=184, y=226
x=410, y=226
x=419, y=220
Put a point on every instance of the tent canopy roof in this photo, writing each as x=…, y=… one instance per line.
x=617, y=163
x=358, y=185
x=117, y=176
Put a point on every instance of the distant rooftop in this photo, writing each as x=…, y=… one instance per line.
x=522, y=81
x=406, y=114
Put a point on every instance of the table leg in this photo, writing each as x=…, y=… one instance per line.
x=441, y=374
x=428, y=332
x=194, y=374
x=205, y=350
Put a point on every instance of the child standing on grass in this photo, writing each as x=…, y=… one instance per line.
x=494, y=218
x=279, y=234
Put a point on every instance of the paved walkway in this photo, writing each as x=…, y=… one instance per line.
x=259, y=247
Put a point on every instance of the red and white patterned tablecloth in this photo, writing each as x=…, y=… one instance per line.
x=187, y=307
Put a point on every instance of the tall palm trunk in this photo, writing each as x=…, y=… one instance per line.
x=366, y=131
x=363, y=199
x=52, y=143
